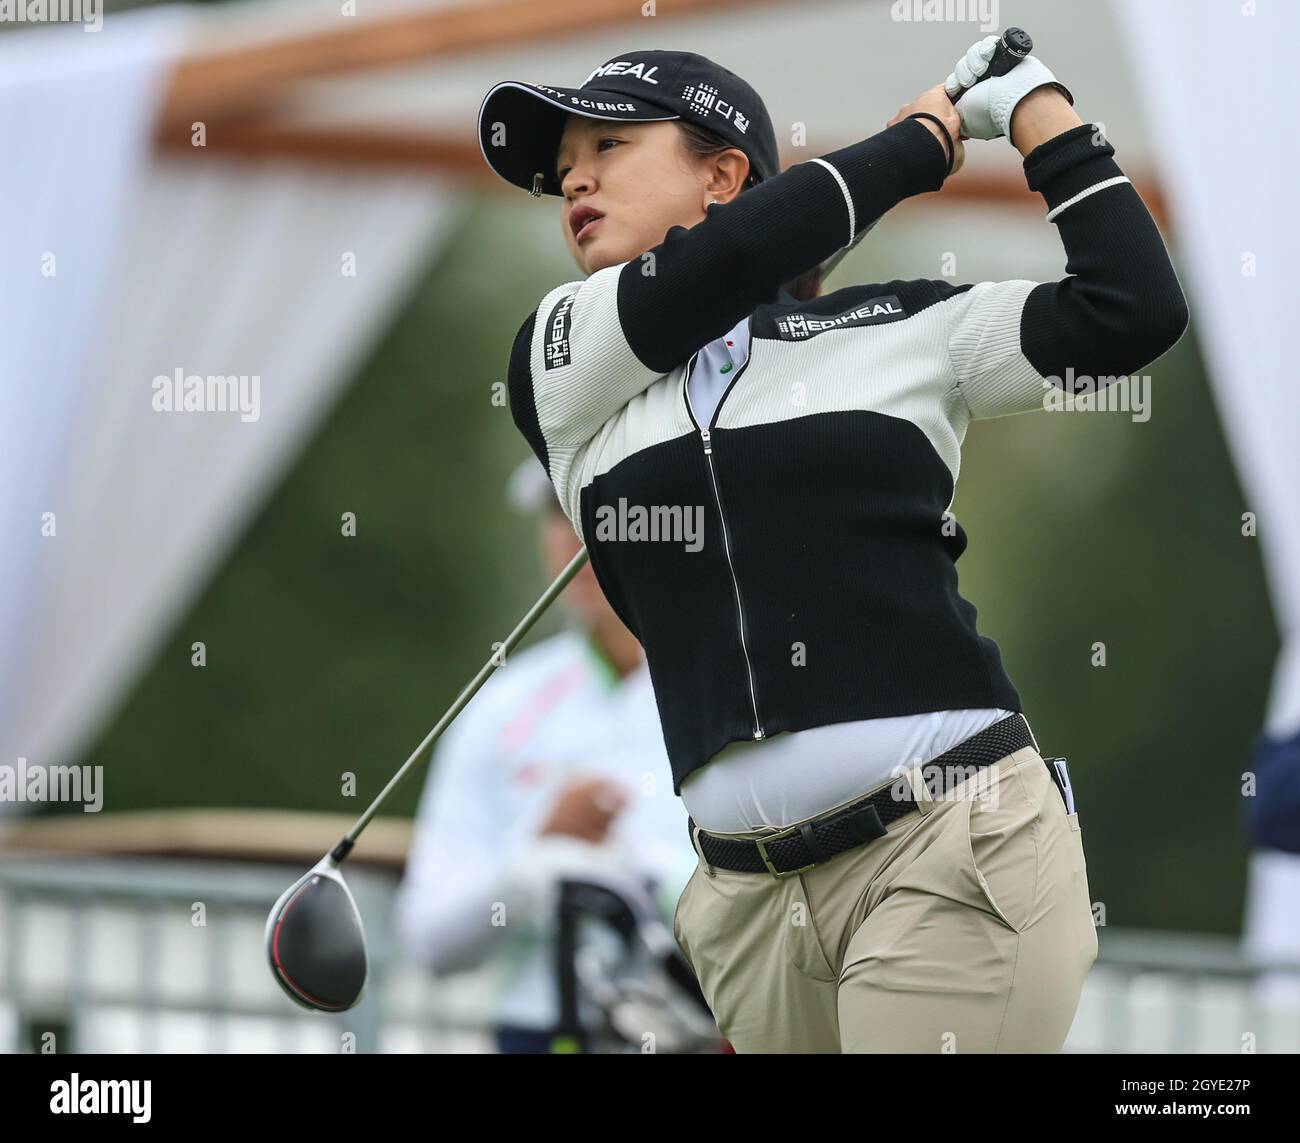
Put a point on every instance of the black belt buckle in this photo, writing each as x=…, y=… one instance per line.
x=862, y=823
x=789, y=831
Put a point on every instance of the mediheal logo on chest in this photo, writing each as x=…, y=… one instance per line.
x=797, y=326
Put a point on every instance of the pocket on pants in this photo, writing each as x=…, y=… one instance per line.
x=803, y=941
x=677, y=930
x=1081, y=872
x=1002, y=842
x=1076, y=839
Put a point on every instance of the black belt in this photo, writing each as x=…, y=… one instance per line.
x=802, y=846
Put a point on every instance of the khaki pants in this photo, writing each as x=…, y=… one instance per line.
x=966, y=928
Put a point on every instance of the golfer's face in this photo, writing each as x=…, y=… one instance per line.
x=637, y=176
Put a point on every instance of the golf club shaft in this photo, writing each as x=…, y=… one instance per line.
x=341, y=850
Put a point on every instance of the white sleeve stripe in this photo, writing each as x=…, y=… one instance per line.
x=1051, y=214
x=848, y=198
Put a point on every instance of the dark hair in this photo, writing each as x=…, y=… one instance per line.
x=701, y=143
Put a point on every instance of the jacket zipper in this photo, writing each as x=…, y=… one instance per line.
x=706, y=438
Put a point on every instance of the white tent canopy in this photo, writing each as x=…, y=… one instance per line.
x=120, y=266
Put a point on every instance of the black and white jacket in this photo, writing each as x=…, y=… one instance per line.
x=825, y=586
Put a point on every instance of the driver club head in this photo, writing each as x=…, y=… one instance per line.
x=315, y=943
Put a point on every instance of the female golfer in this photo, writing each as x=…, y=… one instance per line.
x=762, y=479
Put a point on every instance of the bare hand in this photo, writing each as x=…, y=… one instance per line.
x=585, y=808
x=935, y=100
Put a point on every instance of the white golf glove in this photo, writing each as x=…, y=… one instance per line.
x=985, y=110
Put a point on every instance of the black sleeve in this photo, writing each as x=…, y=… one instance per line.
x=700, y=281
x=1119, y=308
x=1121, y=305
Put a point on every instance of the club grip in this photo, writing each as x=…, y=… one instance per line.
x=1013, y=45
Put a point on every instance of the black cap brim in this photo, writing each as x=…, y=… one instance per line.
x=534, y=124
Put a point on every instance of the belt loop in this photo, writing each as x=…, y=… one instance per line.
x=699, y=849
x=1031, y=735
x=921, y=794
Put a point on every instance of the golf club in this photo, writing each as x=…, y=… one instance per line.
x=315, y=941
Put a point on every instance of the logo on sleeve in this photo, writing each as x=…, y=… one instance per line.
x=555, y=347
x=797, y=326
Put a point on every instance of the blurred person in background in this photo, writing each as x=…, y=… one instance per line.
x=555, y=770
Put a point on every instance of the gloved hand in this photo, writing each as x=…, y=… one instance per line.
x=986, y=108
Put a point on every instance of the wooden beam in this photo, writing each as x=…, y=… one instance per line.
x=454, y=154
x=211, y=85
x=340, y=147
x=226, y=89
x=234, y=835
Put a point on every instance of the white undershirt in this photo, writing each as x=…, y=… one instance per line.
x=715, y=367
x=796, y=775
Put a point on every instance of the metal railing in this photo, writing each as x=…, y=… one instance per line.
x=156, y=955
x=1158, y=991
x=146, y=954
